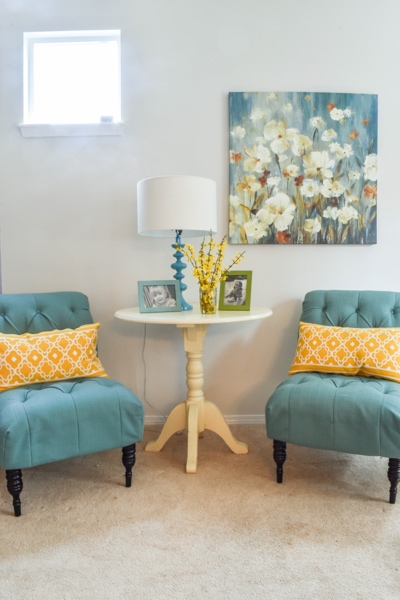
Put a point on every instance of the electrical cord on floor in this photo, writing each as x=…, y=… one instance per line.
x=145, y=375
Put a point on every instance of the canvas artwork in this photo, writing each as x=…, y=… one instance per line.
x=303, y=168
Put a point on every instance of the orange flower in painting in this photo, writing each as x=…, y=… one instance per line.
x=283, y=237
x=366, y=122
x=370, y=191
x=353, y=135
x=330, y=106
x=236, y=157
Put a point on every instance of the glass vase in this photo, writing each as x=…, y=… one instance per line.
x=208, y=301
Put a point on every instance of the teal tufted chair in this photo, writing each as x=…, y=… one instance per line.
x=352, y=414
x=47, y=422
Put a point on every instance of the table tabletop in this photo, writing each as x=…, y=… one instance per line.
x=192, y=317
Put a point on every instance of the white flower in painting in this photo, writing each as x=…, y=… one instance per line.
x=336, y=114
x=337, y=188
x=234, y=201
x=371, y=167
x=259, y=158
x=346, y=214
x=249, y=183
x=291, y=171
x=331, y=212
x=343, y=151
x=318, y=164
x=309, y=188
x=279, y=136
x=301, y=145
x=274, y=181
x=331, y=189
x=254, y=229
x=334, y=147
x=282, y=158
x=238, y=132
x=274, y=130
x=288, y=108
x=354, y=175
x=317, y=122
x=266, y=216
x=328, y=135
x=312, y=225
x=272, y=96
x=326, y=188
x=257, y=115
x=278, y=210
x=352, y=199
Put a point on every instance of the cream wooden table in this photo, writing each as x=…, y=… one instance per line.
x=196, y=414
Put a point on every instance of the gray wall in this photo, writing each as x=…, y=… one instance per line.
x=68, y=205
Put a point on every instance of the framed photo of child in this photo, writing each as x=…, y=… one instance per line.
x=235, y=291
x=159, y=296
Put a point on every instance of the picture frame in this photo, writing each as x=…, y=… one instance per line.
x=160, y=295
x=235, y=291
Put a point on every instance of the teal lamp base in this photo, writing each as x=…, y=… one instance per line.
x=178, y=266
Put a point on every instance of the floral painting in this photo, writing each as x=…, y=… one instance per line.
x=303, y=168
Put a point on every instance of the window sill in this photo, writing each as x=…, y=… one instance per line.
x=70, y=130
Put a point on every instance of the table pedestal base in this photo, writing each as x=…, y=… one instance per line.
x=188, y=416
x=195, y=414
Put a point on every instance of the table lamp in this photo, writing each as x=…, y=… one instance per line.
x=176, y=206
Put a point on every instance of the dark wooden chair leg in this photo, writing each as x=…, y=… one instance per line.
x=279, y=458
x=14, y=486
x=393, y=476
x=128, y=460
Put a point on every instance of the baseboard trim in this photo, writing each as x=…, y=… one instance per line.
x=230, y=419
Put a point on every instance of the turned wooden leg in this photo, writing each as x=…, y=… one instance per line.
x=393, y=476
x=14, y=486
x=128, y=460
x=279, y=458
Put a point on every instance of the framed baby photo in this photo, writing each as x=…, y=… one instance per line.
x=235, y=291
x=159, y=296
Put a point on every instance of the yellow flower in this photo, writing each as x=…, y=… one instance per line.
x=208, y=262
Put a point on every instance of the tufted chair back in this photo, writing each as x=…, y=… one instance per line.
x=33, y=313
x=352, y=308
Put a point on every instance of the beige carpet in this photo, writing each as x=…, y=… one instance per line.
x=227, y=532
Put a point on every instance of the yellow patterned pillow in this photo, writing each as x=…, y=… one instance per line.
x=371, y=352
x=49, y=356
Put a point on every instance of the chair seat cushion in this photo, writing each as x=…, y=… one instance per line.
x=353, y=414
x=47, y=422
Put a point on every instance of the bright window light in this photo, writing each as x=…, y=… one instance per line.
x=72, y=77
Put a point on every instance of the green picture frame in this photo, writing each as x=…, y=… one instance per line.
x=235, y=291
x=168, y=301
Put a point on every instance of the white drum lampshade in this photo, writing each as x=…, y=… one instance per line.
x=176, y=206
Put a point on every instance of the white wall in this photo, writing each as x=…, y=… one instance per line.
x=68, y=205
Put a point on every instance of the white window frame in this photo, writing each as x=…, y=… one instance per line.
x=33, y=129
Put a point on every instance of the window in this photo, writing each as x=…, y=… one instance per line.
x=71, y=79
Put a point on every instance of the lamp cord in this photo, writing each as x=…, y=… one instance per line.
x=145, y=375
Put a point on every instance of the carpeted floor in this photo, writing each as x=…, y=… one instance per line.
x=227, y=532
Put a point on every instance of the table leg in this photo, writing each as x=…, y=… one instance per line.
x=175, y=422
x=193, y=438
x=195, y=414
x=214, y=421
